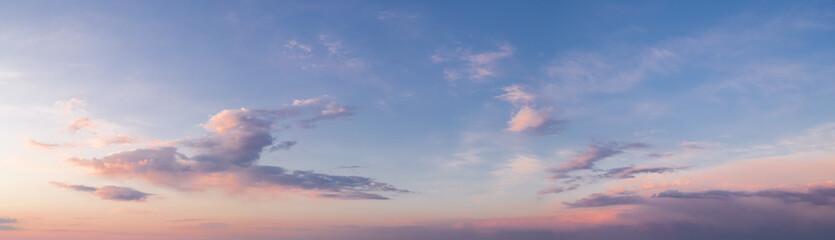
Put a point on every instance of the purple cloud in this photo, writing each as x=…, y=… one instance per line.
x=602, y=200
x=630, y=172
x=108, y=192
x=815, y=196
x=226, y=157
x=558, y=189
x=595, y=153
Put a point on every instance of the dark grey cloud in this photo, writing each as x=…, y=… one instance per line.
x=108, y=192
x=227, y=156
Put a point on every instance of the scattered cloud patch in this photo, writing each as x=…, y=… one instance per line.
x=474, y=66
x=69, y=105
x=581, y=73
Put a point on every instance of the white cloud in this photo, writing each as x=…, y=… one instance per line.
x=527, y=117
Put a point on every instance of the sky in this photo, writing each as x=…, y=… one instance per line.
x=346, y=120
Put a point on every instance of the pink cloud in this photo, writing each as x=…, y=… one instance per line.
x=81, y=124
x=226, y=157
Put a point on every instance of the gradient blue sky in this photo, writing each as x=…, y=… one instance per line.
x=428, y=119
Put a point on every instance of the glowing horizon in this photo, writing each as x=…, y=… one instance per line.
x=425, y=120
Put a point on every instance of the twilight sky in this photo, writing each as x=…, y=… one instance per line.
x=463, y=120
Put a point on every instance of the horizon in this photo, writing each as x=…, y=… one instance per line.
x=305, y=120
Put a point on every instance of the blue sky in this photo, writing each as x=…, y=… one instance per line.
x=457, y=113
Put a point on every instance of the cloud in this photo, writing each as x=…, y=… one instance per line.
x=602, y=200
x=558, y=189
x=467, y=157
x=283, y=146
x=8, y=220
x=815, y=196
x=630, y=172
x=81, y=124
x=693, y=145
x=70, y=104
x=40, y=145
x=475, y=67
x=226, y=157
x=538, y=121
x=528, y=118
x=595, y=153
x=118, y=139
x=108, y=192
x=517, y=169
x=517, y=95
x=211, y=225
x=587, y=72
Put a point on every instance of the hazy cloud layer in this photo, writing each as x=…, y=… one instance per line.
x=7, y=220
x=226, y=157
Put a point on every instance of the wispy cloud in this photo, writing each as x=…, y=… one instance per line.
x=81, y=124
x=474, y=66
x=227, y=156
x=630, y=172
x=594, y=153
x=518, y=169
x=108, y=192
